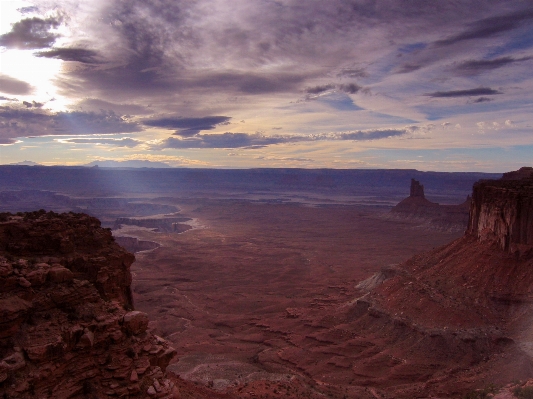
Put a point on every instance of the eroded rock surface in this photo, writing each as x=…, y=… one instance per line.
x=502, y=210
x=67, y=328
x=458, y=317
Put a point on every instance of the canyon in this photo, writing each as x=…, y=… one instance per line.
x=259, y=297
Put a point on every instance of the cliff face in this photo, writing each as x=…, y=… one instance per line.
x=67, y=325
x=465, y=306
x=502, y=211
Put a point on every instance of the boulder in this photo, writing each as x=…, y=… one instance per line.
x=59, y=274
x=135, y=322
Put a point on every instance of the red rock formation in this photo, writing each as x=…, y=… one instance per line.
x=458, y=316
x=525, y=172
x=430, y=214
x=67, y=328
x=417, y=190
x=502, y=210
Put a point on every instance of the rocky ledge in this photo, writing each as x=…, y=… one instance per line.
x=67, y=324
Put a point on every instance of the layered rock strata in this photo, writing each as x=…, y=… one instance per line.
x=502, y=210
x=458, y=317
x=67, y=324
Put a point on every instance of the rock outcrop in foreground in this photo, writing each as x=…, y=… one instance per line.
x=417, y=207
x=67, y=324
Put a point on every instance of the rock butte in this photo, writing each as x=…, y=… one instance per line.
x=453, y=218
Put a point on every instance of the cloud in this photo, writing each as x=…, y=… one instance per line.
x=350, y=88
x=224, y=140
x=319, y=89
x=473, y=67
x=407, y=68
x=489, y=27
x=96, y=105
x=480, y=91
x=482, y=100
x=3, y=98
x=33, y=104
x=353, y=73
x=71, y=54
x=371, y=135
x=259, y=140
x=122, y=142
x=18, y=122
x=27, y=10
x=11, y=85
x=187, y=127
x=31, y=33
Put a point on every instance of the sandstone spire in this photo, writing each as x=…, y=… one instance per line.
x=417, y=189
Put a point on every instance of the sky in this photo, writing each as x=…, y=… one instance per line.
x=428, y=85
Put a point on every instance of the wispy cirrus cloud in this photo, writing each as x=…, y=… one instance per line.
x=474, y=67
x=489, y=27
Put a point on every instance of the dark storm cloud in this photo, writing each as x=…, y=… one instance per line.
x=166, y=47
x=479, y=66
x=319, y=89
x=31, y=33
x=187, y=127
x=258, y=140
x=71, y=54
x=489, y=27
x=11, y=85
x=481, y=91
x=24, y=122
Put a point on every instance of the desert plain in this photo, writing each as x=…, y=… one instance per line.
x=250, y=292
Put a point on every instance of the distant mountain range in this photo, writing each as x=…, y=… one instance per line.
x=26, y=163
x=109, y=164
x=128, y=164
